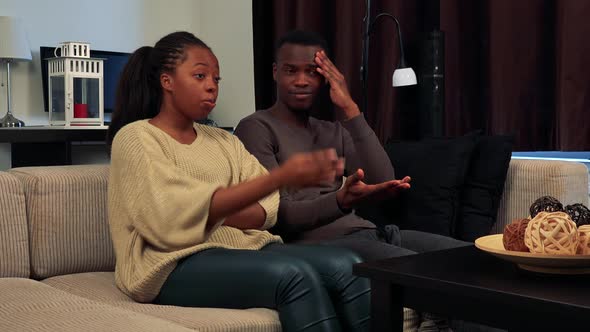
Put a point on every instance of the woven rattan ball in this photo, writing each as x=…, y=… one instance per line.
x=579, y=214
x=584, y=245
x=546, y=204
x=513, y=238
x=552, y=233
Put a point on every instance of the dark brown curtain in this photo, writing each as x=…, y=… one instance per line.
x=511, y=67
x=572, y=91
x=518, y=67
x=340, y=21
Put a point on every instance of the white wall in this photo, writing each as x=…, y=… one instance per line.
x=226, y=26
x=115, y=25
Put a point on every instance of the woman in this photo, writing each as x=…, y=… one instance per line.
x=189, y=206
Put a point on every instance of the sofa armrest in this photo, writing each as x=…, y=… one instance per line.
x=529, y=179
x=66, y=213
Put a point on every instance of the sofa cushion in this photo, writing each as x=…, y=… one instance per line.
x=67, y=216
x=528, y=180
x=437, y=168
x=100, y=287
x=29, y=305
x=484, y=183
x=14, y=238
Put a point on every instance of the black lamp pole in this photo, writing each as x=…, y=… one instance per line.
x=365, y=56
x=368, y=26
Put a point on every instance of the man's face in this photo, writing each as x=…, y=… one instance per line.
x=298, y=82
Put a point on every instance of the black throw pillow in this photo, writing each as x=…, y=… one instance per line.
x=483, y=187
x=437, y=168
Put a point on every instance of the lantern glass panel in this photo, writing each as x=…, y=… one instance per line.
x=58, y=98
x=86, y=97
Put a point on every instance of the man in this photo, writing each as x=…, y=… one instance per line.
x=325, y=214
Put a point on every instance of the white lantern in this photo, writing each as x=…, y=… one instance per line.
x=76, y=93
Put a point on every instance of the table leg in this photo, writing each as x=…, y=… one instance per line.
x=387, y=312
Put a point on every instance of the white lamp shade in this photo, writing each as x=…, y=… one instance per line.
x=13, y=39
x=403, y=77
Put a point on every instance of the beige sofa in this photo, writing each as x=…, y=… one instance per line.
x=56, y=257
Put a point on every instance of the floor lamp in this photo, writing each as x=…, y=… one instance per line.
x=402, y=76
x=13, y=46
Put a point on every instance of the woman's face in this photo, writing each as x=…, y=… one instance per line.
x=194, y=84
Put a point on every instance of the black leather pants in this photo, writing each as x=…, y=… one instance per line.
x=311, y=287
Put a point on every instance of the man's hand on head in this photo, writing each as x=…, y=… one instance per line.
x=338, y=88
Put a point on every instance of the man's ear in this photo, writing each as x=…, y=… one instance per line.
x=166, y=81
x=274, y=71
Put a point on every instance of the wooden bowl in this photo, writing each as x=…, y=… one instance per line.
x=544, y=263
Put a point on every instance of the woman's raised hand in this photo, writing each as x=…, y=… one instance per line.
x=313, y=168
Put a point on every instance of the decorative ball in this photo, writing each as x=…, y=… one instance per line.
x=547, y=204
x=552, y=233
x=584, y=244
x=579, y=214
x=513, y=237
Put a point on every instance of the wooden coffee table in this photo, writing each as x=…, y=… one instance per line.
x=469, y=284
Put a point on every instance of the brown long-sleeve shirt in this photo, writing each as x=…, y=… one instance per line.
x=312, y=214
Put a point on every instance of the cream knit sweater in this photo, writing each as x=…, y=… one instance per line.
x=159, y=196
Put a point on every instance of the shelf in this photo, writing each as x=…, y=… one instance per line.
x=48, y=145
x=44, y=134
